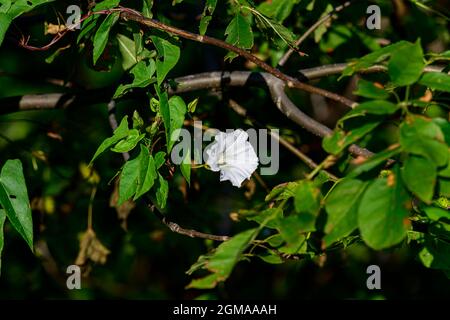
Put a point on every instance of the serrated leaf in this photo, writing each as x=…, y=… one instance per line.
x=168, y=56
x=102, y=35
x=120, y=133
x=342, y=207
x=382, y=213
x=14, y=200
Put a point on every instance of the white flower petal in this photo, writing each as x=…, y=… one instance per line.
x=233, y=155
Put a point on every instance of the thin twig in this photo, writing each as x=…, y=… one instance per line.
x=319, y=22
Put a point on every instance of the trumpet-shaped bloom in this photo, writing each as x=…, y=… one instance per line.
x=233, y=155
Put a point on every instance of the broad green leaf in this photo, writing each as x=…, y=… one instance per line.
x=164, y=109
x=2, y=222
x=307, y=198
x=223, y=260
x=435, y=213
x=436, y=81
x=339, y=139
x=208, y=11
x=406, y=64
x=277, y=9
x=374, y=161
x=382, y=213
x=294, y=226
x=120, y=133
x=368, y=89
x=342, y=207
x=162, y=193
x=147, y=177
x=421, y=136
x=5, y=21
x=129, y=143
x=419, y=175
x=5, y=5
x=127, y=49
x=376, y=107
x=444, y=187
x=102, y=35
x=142, y=73
x=168, y=56
x=177, y=110
x=129, y=177
x=269, y=217
x=185, y=167
x=14, y=200
x=239, y=33
x=373, y=58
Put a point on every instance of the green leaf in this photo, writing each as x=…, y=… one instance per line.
x=376, y=107
x=435, y=213
x=419, y=175
x=129, y=177
x=307, y=198
x=373, y=58
x=120, y=133
x=162, y=193
x=102, y=35
x=5, y=22
x=177, y=110
x=208, y=11
x=421, y=136
x=269, y=217
x=368, y=89
x=435, y=254
x=322, y=28
x=273, y=29
x=147, y=177
x=129, y=143
x=339, y=139
x=374, y=161
x=342, y=207
x=406, y=64
x=293, y=226
x=127, y=48
x=282, y=192
x=223, y=260
x=185, y=167
x=436, y=81
x=2, y=223
x=239, y=33
x=160, y=158
x=277, y=9
x=14, y=200
x=147, y=8
x=169, y=53
x=383, y=211
x=142, y=73
x=192, y=105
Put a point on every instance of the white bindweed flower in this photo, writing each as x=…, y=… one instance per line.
x=233, y=156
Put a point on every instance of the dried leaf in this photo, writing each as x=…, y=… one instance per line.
x=91, y=249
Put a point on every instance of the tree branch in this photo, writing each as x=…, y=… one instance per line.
x=290, y=81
